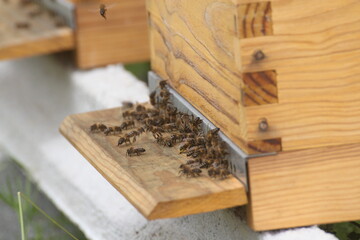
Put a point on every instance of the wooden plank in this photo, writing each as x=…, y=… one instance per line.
x=194, y=45
x=41, y=37
x=315, y=52
x=150, y=181
x=305, y=187
x=123, y=37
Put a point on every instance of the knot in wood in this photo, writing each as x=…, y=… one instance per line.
x=263, y=125
x=259, y=55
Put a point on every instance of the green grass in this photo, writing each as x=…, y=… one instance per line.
x=22, y=196
x=140, y=70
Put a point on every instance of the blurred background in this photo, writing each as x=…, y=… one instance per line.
x=63, y=57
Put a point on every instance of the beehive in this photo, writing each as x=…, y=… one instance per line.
x=280, y=79
x=292, y=63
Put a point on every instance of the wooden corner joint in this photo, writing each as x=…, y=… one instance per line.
x=259, y=88
x=255, y=19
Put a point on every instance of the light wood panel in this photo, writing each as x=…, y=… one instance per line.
x=150, y=181
x=122, y=38
x=194, y=45
x=314, y=50
x=42, y=35
x=305, y=187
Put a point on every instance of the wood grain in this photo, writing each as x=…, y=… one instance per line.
x=151, y=181
x=260, y=88
x=314, y=50
x=123, y=37
x=305, y=187
x=255, y=19
x=194, y=45
x=41, y=37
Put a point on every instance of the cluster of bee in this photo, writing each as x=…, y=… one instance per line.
x=171, y=127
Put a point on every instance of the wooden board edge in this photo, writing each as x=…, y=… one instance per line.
x=62, y=40
x=233, y=198
x=145, y=211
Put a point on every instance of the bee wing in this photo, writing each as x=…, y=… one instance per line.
x=107, y=6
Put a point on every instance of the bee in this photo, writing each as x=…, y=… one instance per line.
x=127, y=114
x=127, y=104
x=189, y=171
x=196, y=152
x=22, y=25
x=103, y=10
x=132, y=151
x=140, y=108
x=127, y=124
x=169, y=127
x=156, y=131
x=153, y=98
x=98, y=127
x=162, y=84
x=222, y=173
x=108, y=131
x=153, y=112
x=123, y=140
x=167, y=142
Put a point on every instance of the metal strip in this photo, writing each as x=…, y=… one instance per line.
x=237, y=157
x=64, y=8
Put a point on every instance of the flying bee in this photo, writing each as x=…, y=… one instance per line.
x=103, y=10
x=189, y=171
x=124, y=140
x=132, y=151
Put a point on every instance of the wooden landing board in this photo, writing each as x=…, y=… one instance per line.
x=41, y=37
x=150, y=181
x=305, y=187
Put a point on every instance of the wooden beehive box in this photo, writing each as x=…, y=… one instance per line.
x=122, y=38
x=291, y=63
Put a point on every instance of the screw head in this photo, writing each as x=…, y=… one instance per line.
x=259, y=55
x=263, y=125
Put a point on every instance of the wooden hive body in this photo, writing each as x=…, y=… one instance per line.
x=291, y=62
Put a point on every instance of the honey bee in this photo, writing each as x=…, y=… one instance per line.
x=156, y=131
x=153, y=98
x=132, y=151
x=127, y=114
x=123, y=140
x=222, y=173
x=189, y=171
x=127, y=104
x=103, y=10
x=127, y=124
x=167, y=142
x=162, y=84
x=132, y=134
x=98, y=127
x=169, y=127
x=108, y=131
x=22, y=25
x=140, y=108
